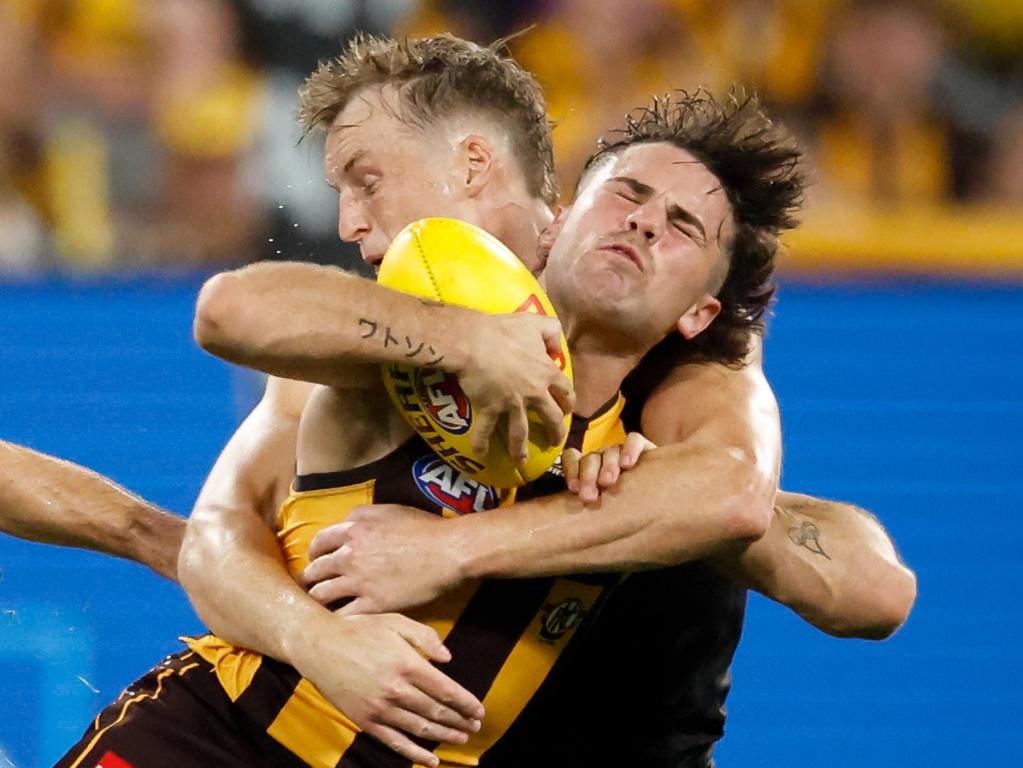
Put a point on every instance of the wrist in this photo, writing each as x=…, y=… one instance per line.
x=468, y=554
x=155, y=540
x=300, y=633
x=456, y=326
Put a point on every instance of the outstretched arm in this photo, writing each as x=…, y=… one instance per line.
x=49, y=500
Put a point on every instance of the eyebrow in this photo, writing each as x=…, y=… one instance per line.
x=354, y=159
x=638, y=187
x=359, y=155
x=675, y=212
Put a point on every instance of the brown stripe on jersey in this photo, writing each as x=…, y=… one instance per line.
x=487, y=631
x=271, y=751
x=577, y=429
x=490, y=627
x=394, y=462
x=271, y=688
x=367, y=752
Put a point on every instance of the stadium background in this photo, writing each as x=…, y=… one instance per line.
x=146, y=144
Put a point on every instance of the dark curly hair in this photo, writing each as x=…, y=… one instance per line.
x=437, y=77
x=758, y=165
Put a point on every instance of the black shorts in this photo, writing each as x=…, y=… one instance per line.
x=177, y=715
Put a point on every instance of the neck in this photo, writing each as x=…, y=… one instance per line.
x=517, y=222
x=598, y=376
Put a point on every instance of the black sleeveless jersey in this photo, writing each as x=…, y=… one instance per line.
x=644, y=683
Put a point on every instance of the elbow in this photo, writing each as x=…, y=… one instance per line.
x=887, y=607
x=749, y=499
x=895, y=603
x=751, y=510
x=750, y=518
x=195, y=565
x=189, y=559
x=217, y=311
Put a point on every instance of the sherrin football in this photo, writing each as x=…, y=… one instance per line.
x=458, y=263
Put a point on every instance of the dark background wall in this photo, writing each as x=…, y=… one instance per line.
x=902, y=397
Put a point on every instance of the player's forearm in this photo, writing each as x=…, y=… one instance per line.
x=52, y=501
x=678, y=504
x=231, y=565
x=237, y=581
x=833, y=564
x=315, y=323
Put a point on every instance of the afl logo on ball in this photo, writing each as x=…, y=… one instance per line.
x=451, y=489
x=443, y=400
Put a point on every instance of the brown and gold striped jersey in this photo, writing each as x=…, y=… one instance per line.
x=504, y=635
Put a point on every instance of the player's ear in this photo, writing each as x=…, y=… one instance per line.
x=478, y=157
x=699, y=316
x=552, y=230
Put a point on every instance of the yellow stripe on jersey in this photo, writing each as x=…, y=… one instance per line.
x=526, y=667
x=322, y=745
x=304, y=513
x=235, y=667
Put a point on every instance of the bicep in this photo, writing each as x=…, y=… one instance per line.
x=715, y=407
x=253, y=472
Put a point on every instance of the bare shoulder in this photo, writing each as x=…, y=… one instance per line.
x=710, y=397
x=346, y=428
x=286, y=398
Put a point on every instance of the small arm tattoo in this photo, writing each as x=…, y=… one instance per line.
x=808, y=536
x=369, y=330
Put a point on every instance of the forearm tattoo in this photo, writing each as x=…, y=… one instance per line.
x=808, y=536
x=370, y=329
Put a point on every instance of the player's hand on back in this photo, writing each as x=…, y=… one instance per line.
x=590, y=475
x=510, y=371
x=377, y=670
x=383, y=557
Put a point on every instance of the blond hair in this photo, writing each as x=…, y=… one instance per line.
x=439, y=77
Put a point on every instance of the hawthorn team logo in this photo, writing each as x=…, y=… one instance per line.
x=561, y=618
x=452, y=489
x=443, y=400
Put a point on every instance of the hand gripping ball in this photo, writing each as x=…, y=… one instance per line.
x=458, y=263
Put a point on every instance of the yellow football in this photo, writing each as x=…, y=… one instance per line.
x=458, y=263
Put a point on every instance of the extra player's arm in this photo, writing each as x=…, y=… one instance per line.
x=324, y=325
x=832, y=563
x=52, y=501
x=373, y=668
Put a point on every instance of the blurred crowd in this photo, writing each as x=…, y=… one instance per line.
x=160, y=133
